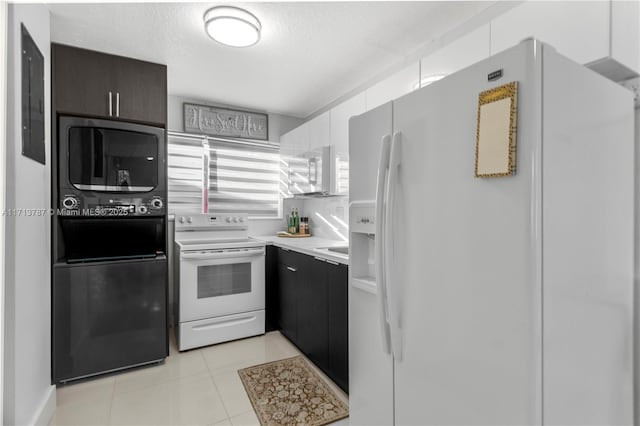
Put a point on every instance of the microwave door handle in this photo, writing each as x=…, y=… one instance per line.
x=393, y=278
x=110, y=105
x=313, y=171
x=117, y=104
x=381, y=296
x=222, y=254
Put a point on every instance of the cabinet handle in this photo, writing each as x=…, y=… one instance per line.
x=332, y=262
x=110, y=105
x=292, y=269
x=320, y=259
x=117, y=104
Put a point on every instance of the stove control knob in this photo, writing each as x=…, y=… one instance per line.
x=235, y=220
x=156, y=203
x=241, y=219
x=181, y=219
x=189, y=219
x=70, y=202
x=142, y=209
x=228, y=219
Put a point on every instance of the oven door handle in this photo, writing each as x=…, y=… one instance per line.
x=223, y=254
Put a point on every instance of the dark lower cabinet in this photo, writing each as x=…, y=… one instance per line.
x=312, y=311
x=271, y=289
x=338, y=328
x=291, y=266
x=313, y=329
x=108, y=315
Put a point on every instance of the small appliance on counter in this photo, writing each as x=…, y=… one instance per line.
x=219, y=280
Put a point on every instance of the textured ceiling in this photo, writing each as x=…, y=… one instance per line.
x=310, y=54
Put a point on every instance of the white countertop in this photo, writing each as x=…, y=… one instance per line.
x=308, y=245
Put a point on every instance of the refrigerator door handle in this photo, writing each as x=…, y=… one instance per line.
x=381, y=294
x=393, y=278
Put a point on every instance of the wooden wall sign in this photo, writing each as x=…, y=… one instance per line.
x=496, y=132
x=225, y=122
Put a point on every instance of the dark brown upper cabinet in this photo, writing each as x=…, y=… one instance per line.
x=100, y=85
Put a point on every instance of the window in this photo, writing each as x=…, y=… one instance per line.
x=238, y=176
x=185, y=171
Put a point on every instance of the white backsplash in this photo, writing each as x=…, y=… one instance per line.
x=328, y=216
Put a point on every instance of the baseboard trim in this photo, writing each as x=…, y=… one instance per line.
x=46, y=409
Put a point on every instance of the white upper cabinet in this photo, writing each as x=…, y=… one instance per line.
x=625, y=34
x=319, y=131
x=340, y=116
x=296, y=141
x=461, y=53
x=601, y=34
x=393, y=87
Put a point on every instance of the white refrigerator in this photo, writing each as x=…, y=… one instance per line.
x=502, y=300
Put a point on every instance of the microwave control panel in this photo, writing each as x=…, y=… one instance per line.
x=73, y=205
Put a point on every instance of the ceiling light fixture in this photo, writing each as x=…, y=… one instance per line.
x=232, y=26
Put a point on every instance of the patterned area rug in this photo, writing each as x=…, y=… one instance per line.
x=289, y=392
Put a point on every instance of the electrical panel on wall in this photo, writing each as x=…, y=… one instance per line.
x=32, y=99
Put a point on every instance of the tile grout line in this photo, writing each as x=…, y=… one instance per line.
x=215, y=385
x=113, y=393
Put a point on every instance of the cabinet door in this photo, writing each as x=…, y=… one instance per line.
x=108, y=315
x=399, y=84
x=140, y=90
x=288, y=301
x=271, y=289
x=340, y=116
x=312, y=313
x=319, y=131
x=82, y=80
x=290, y=269
x=294, y=166
x=577, y=29
x=461, y=53
x=338, y=313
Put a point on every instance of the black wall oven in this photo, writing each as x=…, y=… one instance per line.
x=109, y=275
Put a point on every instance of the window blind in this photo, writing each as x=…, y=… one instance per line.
x=223, y=176
x=185, y=171
x=244, y=178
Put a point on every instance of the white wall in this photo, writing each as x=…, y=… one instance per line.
x=29, y=397
x=3, y=134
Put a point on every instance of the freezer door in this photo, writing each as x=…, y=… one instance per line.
x=465, y=286
x=365, y=140
x=370, y=368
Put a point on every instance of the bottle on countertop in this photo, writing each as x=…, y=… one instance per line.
x=296, y=221
x=291, y=226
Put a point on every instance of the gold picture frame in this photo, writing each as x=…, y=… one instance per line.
x=496, y=131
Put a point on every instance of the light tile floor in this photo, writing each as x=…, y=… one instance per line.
x=196, y=387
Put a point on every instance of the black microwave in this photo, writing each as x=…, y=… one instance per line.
x=111, y=166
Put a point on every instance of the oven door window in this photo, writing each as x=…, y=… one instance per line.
x=112, y=160
x=224, y=280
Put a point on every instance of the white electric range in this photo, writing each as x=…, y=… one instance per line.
x=220, y=280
